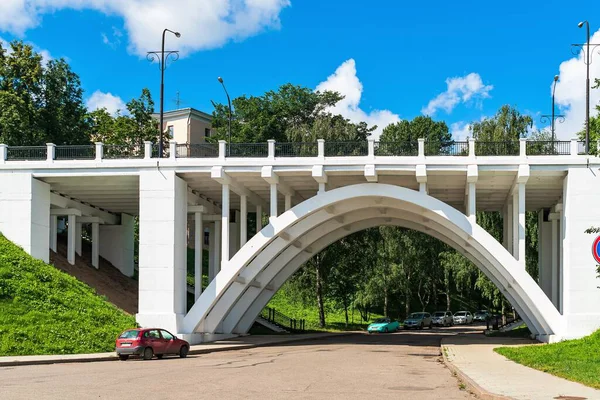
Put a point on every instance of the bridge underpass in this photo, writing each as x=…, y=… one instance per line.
x=176, y=197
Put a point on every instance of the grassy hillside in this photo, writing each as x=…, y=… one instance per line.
x=46, y=311
x=576, y=360
x=334, y=318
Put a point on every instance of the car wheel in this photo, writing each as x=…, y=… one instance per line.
x=123, y=357
x=148, y=353
x=385, y=330
x=421, y=326
x=183, y=351
x=159, y=356
x=430, y=325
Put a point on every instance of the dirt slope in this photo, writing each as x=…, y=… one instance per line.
x=107, y=280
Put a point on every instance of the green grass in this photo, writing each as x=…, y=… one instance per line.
x=335, y=319
x=576, y=360
x=46, y=311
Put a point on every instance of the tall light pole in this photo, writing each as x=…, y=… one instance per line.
x=160, y=56
x=587, y=59
x=553, y=117
x=229, y=121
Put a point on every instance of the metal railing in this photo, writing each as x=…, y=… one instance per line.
x=346, y=149
x=548, y=147
x=26, y=153
x=282, y=320
x=247, y=150
x=166, y=151
x=505, y=148
x=405, y=149
x=299, y=149
x=115, y=151
x=78, y=152
x=452, y=148
x=202, y=150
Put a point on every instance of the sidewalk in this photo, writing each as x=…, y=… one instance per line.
x=492, y=376
x=244, y=342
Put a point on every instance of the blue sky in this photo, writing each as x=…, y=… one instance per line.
x=392, y=61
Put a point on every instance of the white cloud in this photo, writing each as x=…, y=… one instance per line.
x=459, y=89
x=109, y=101
x=345, y=82
x=570, y=92
x=204, y=24
x=460, y=130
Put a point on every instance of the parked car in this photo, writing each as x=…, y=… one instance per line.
x=481, y=315
x=150, y=342
x=418, y=320
x=383, y=325
x=442, y=318
x=463, y=317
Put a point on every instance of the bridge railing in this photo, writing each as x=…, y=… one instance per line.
x=277, y=318
x=320, y=149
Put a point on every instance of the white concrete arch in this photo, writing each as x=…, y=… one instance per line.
x=219, y=308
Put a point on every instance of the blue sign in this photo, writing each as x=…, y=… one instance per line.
x=596, y=249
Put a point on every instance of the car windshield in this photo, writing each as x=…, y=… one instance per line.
x=417, y=315
x=439, y=314
x=460, y=314
x=380, y=321
x=129, y=334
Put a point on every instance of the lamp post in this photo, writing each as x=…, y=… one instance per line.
x=587, y=59
x=229, y=121
x=160, y=56
x=553, y=117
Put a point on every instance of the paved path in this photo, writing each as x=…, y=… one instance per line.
x=357, y=366
x=474, y=356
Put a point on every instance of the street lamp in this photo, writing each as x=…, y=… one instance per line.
x=229, y=122
x=587, y=60
x=160, y=56
x=552, y=117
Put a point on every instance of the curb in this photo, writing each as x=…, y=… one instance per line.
x=471, y=385
x=86, y=358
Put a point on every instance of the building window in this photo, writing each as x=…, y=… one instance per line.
x=170, y=131
x=207, y=132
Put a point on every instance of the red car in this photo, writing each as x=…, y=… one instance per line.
x=147, y=342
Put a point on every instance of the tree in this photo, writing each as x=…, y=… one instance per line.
x=406, y=133
x=39, y=102
x=256, y=119
x=500, y=134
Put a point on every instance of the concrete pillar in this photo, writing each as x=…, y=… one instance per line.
x=321, y=188
x=116, y=244
x=509, y=226
x=217, y=247
x=521, y=223
x=554, y=279
x=243, y=220
x=162, y=250
x=505, y=226
x=53, y=232
x=211, y=252
x=225, y=224
x=198, y=247
x=471, y=202
x=71, y=234
x=258, y=218
x=288, y=202
x=271, y=149
x=545, y=246
x=95, y=245
x=25, y=213
x=423, y=187
x=78, y=238
x=273, y=202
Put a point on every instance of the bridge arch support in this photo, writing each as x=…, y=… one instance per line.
x=248, y=280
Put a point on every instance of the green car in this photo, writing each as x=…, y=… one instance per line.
x=383, y=325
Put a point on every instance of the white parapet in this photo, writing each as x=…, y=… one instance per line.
x=25, y=213
x=162, y=250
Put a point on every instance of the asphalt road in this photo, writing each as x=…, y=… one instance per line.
x=399, y=365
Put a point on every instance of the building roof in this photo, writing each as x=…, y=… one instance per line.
x=185, y=113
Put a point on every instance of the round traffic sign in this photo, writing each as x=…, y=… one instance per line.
x=596, y=249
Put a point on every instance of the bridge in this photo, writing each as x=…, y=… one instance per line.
x=311, y=194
